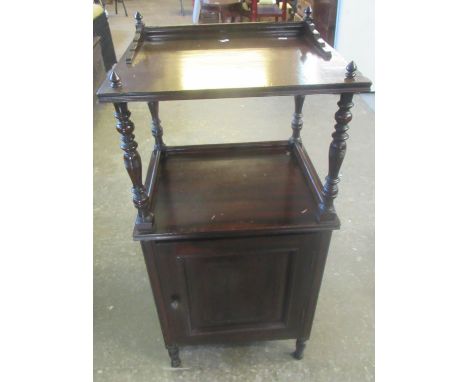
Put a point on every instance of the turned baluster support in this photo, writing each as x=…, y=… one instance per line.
x=156, y=129
x=337, y=150
x=132, y=163
x=336, y=154
x=296, y=124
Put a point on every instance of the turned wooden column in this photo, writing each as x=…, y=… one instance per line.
x=156, y=128
x=132, y=162
x=296, y=124
x=336, y=153
x=337, y=150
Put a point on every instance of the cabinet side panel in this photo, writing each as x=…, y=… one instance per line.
x=314, y=275
x=150, y=260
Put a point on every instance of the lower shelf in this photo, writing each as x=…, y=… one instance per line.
x=233, y=190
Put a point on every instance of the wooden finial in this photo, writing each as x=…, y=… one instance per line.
x=308, y=15
x=138, y=18
x=351, y=69
x=114, y=79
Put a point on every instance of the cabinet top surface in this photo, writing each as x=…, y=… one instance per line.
x=228, y=60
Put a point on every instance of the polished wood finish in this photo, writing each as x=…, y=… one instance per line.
x=317, y=40
x=174, y=355
x=137, y=38
x=156, y=129
x=132, y=162
x=114, y=80
x=336, y=154
x=296, y=124
x=231, y=60
x=235, y=236
x=254, y=188
x=235, y=289
x=299, y=352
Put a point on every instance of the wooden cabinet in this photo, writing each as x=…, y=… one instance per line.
x=236, y=289
x=99, y=72
x=235, y=236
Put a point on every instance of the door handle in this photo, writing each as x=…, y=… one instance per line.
x=175, y=302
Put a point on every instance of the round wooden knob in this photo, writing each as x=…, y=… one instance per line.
x=175, y=302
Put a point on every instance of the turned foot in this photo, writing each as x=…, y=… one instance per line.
x=300, y=346
x=174, y=355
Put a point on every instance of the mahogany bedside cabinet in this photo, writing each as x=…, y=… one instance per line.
x=235, y=236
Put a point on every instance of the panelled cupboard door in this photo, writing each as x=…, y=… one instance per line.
x=257, y=288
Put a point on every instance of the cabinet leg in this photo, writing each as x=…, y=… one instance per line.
x=300, y=346
x=174, y=355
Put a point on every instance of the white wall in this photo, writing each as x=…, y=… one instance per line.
x=354, y=36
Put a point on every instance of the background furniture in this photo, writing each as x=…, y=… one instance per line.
x=268, y=8
x=235, y=236
x=182, y=11
x=101, y=29
x=102, y=3
x=224, y=9
x=99, y=70
x=233, y=10
x=123, y=4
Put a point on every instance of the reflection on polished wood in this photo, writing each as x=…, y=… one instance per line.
x=209, y=71
x=230, y=60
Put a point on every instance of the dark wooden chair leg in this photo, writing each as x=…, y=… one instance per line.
x=336, y=154
x=116, y=10
x=182, y=10
x=300, y=346
x=125, y=8
x=174, y=355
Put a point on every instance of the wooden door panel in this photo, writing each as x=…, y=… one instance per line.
x=234, y=289
x=238, y=288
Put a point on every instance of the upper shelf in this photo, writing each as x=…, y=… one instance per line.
x=228, y=60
